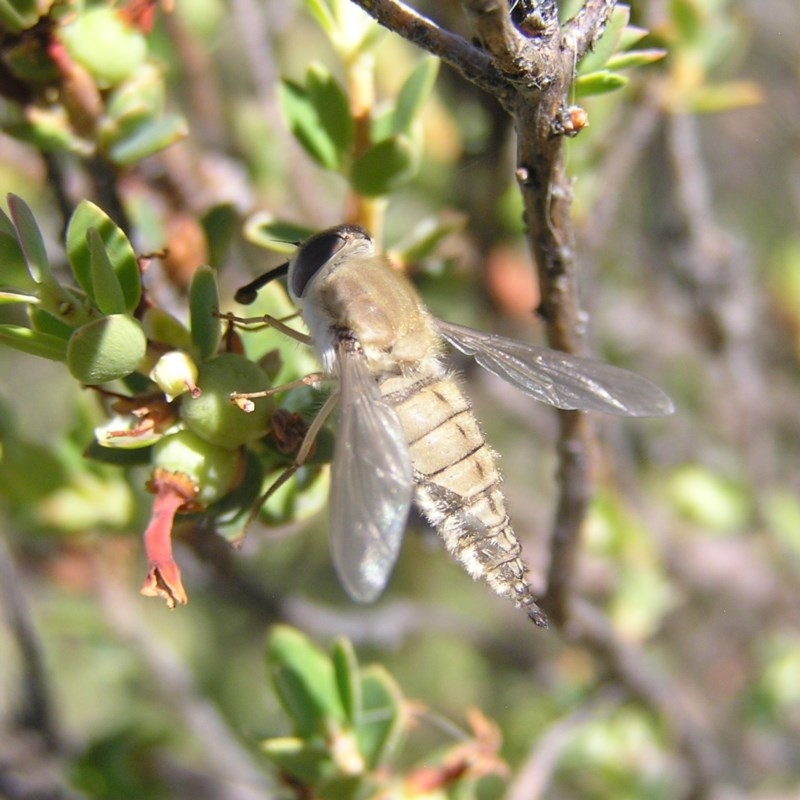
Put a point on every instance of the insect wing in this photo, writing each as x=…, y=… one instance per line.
x=371, y=484
x=562, y=380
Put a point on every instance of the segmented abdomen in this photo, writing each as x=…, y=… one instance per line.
x=457, y=483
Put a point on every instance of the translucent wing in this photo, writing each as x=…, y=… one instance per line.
x=560, y=379
x=371, y=484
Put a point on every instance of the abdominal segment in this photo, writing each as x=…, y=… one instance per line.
x=457, y=483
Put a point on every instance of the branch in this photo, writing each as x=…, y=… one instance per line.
x=35, y=710
x=56, y=180
x=587, y=26
x=455, y=51
x=491, y=24
x=33, y=762
x=104, y=178
x=575, y=494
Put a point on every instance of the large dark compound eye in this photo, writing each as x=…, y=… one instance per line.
x=317, y=251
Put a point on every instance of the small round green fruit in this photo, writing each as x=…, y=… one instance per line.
x=211, y=468
x=213, y=416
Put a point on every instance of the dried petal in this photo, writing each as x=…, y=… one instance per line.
x=173, y=491
x=473, y=758
x=288, y=429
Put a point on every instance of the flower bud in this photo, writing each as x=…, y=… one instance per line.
x=175, y=373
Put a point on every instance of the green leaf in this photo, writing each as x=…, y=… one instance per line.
x=140, y=98
x=148, y=138
x=608, y=42
x=688, y=19
x=413, y=95
x=117, y=247
x=277, y=235
x=14, y=272
x=304, y=682
x=30, y=238
x=119, y=456
x=332, y=108
x=11, y=297
x=381, y=125
x=45, y=322
x=105, y=284
x=6, y=225
x=162, y=327
x=232, y=513
x=18, y=15
x=714, y=98
x=385, y=166
x=372, y=37
x=345, y=667
x=33, y=342
x=298, y=499
x=49, y=132
x=308, y=762
x=302, y=118
x=635, y=58
x=630, y=35
x=106, y=349
x=28, y=471
x=220, y=225
x=203, y=309
x=425, y=237
x=382, y=719
x=30, y=63
x=322, y=13
x=702, y=496
x=599, y=83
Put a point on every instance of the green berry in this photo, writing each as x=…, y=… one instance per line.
x=211, y=468
x=213, y=416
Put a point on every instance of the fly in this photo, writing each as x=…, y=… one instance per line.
x=406, y=431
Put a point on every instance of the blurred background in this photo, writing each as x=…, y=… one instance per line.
x=687, y=193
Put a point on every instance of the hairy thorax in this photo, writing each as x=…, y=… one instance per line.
x=382, y=311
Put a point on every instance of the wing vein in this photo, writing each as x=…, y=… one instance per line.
x=560, y=379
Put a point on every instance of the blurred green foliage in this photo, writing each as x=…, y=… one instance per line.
x=281, y=120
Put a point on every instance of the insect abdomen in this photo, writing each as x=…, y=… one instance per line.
x=457, y=483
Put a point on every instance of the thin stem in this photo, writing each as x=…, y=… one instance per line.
x=35, y=711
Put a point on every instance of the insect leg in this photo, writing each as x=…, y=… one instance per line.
x=302, y=453
x=245, y=399
x=267, y=321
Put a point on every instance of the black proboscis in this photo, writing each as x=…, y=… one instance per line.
x=247, y=294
